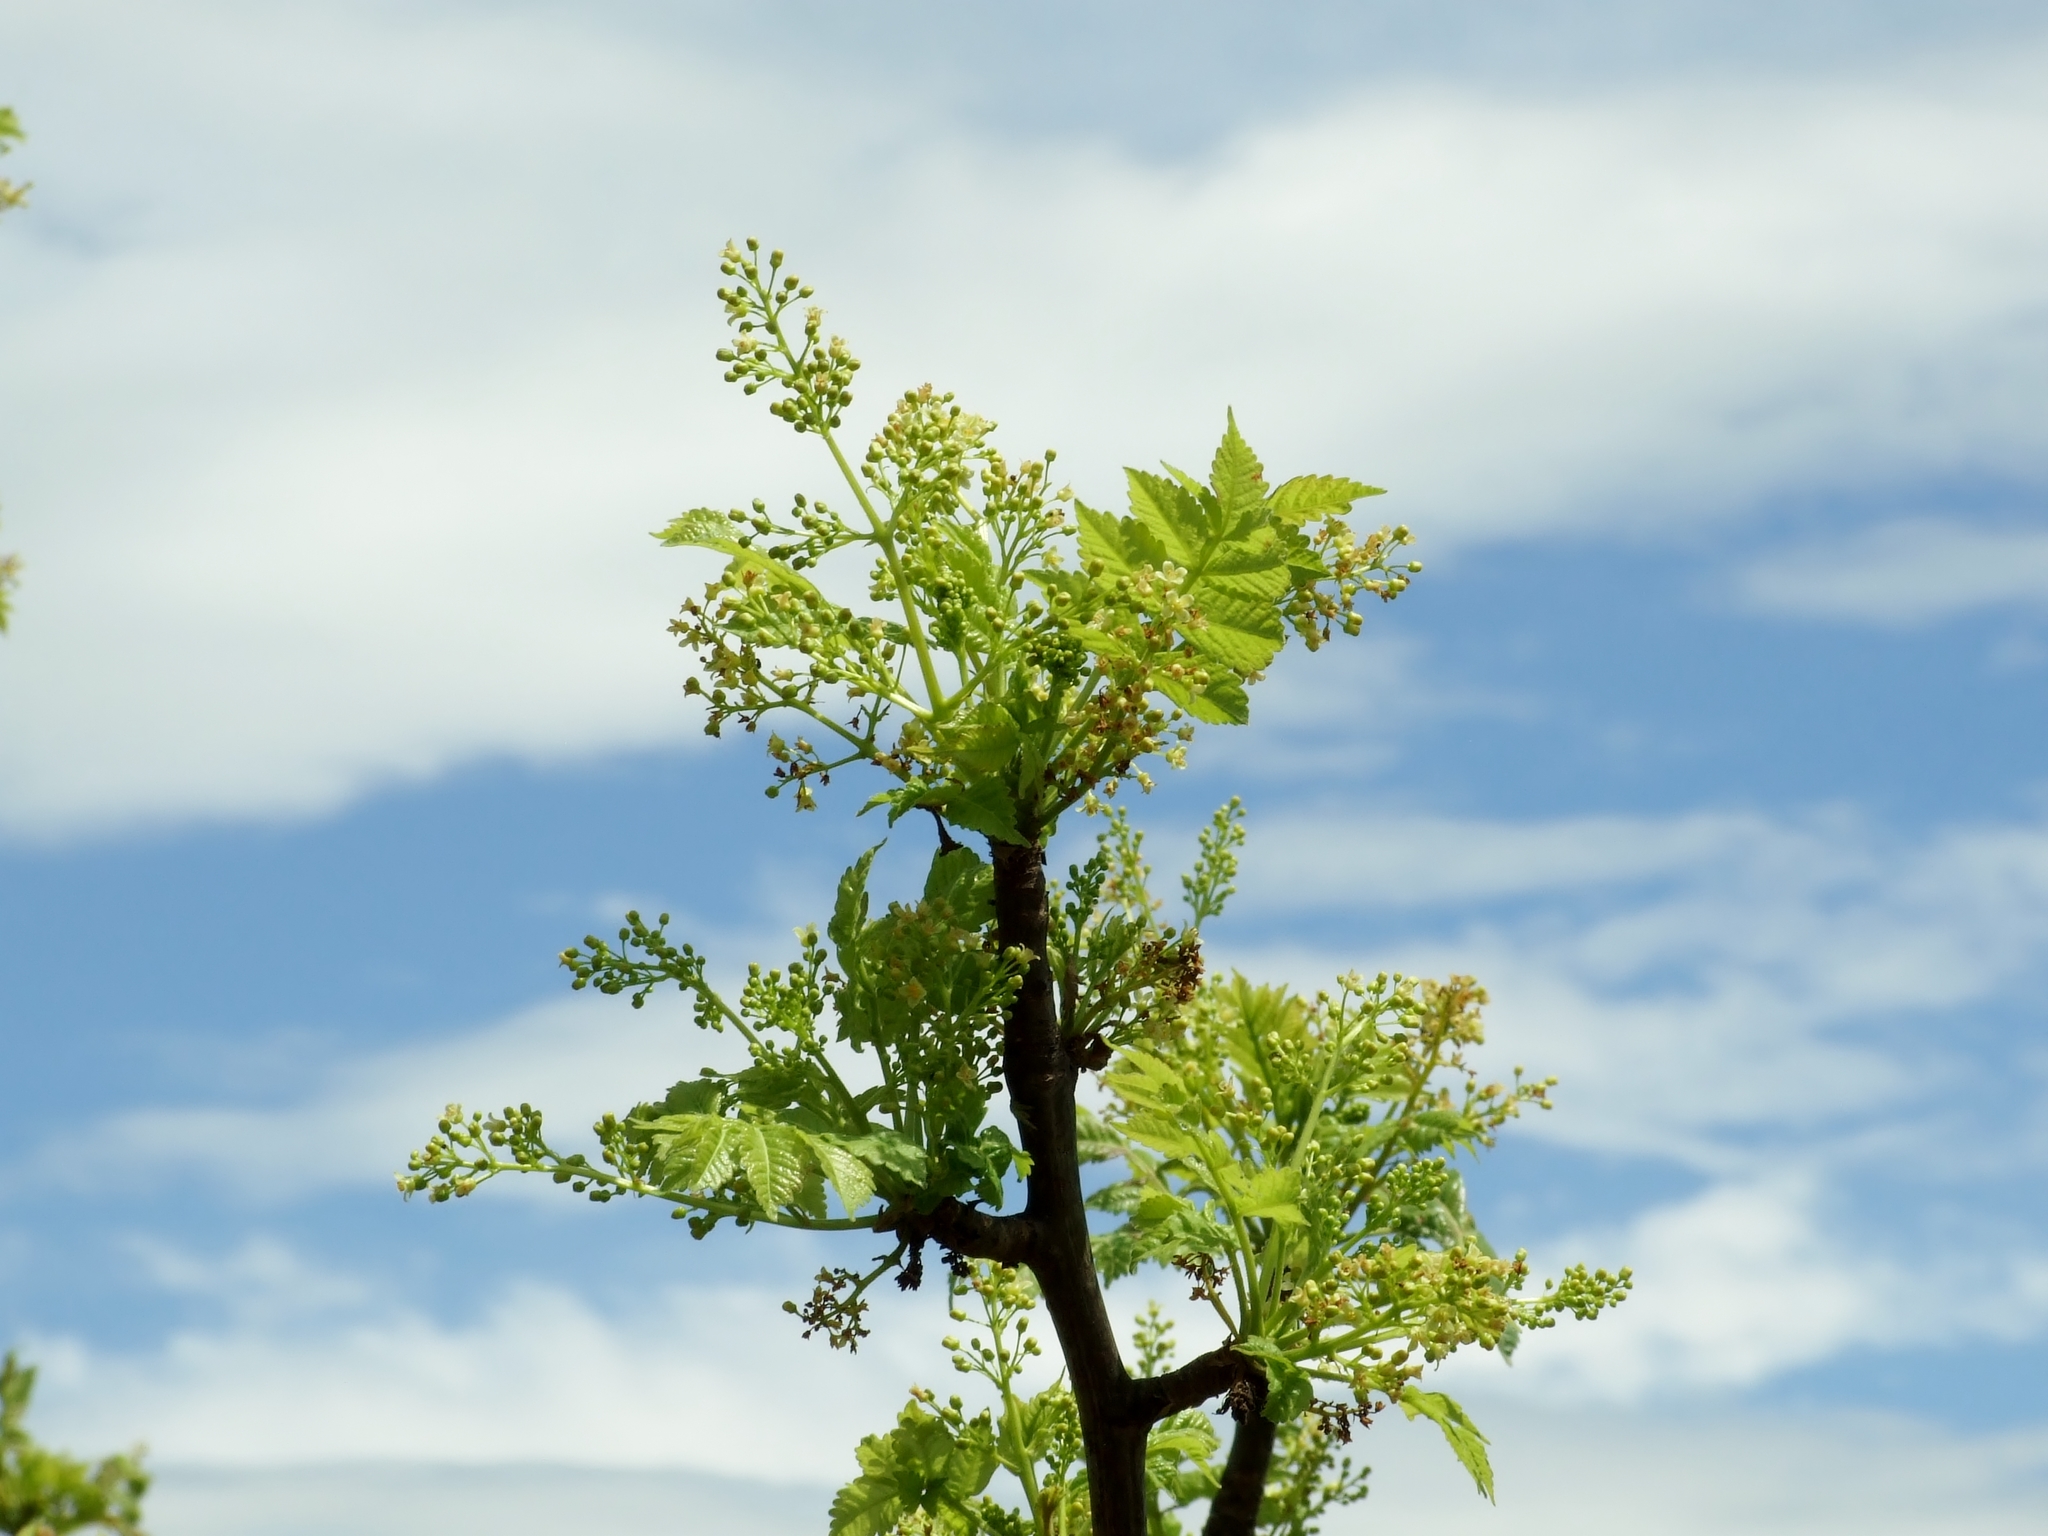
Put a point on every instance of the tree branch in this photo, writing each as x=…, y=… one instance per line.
x=1157, y=1397
x=966, y=1230
x=1234, y=1511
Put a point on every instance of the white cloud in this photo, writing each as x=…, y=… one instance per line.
x=1765, y=1003
x=1792, y=1010
x=508, y=1416
x=1691, y=978
x=528, y=1499
x=1906, y=573
x=339, y=399
x=1773, y=1472
x=710, y=1378
x=574, y=1060
x=1572, y=1471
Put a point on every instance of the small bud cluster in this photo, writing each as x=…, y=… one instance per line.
x=816, y=375
x=1343, y=1111
x=839, y=1318
x=1020, y=682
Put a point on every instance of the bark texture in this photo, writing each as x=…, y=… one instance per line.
x=1051, y=1235
x=1235, y=1509
x=1040, y=1075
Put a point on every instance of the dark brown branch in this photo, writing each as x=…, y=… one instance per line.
x=966, y=1230
x=1219, y=1371
x=1235, y=1509
x=1040, y=1076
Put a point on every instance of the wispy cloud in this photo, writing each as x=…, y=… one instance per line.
x=692, y=1378
x=333, y=435
x=1906, y=573
x=575, y=1060
x=1803, y=1013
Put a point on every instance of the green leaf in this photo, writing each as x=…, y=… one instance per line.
x=1164, y=1135
x=1267, y=1192
x=694, y=1096
x=850, y=1176
x=1154, y=1209
x=984, y=742
x=1185, y=1434
x=1142, y=1078
x=1180, y=1232
x=1235, y=474
x=983, y=806
x=773, y=1158
x=920, y=1464
x=890, y=1150
x=778, y=1085
x=961, y=880
x=702, y=528
x=1242, y=631
x=1122, y=544
x=901, y=800
x=693, y=1152
x=1222, y=702
x=1289, y=1390
x=1308, y=497
x=1465, y=1440
x=1173, y=516
x=850, y=904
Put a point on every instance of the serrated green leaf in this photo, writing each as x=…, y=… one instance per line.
x=694, y=1096
x=1122, y=544
x=971, y=1462
x=1154, y=1209
x=1266, y=1192
x=1164, y=1135
x=693, y=1152
x=960, y=879
x=984, y=742
x=872, y=1503
x=706, y=529
x=1162, y=1077
x=1243, y=632
x=1222, y=702
x=1463, y=1436
x=984, y=806
x=850, y=902
x=851, y=1178
x=1184, y=1231
x=1307, y=497
x=890, y=1150
x=1173, y=516
x=920, y=1464
x=774, y=1159
x=701, y=528
x=1235, y=474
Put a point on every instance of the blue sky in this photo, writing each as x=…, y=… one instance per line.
x=350, y=351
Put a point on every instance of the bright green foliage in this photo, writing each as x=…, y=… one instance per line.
x=916, y=992
x=1309, y=1478
x=933, y=1464
x=11, y=196
x=1035, y=1438
x=1294, y=1156
x=1021, y=648
x=1005, y=653
x=10, y=577
x=43, y=1493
